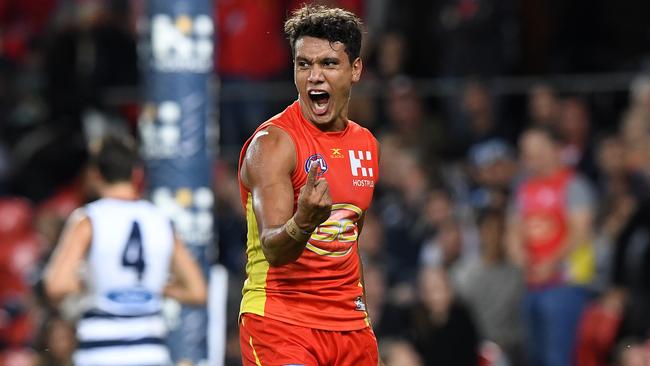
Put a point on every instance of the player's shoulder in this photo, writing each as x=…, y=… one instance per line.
x=270, y=151
x=269, y=138
x=356, y=127
x=357, y=131
x=78, y=215
x=149, y=207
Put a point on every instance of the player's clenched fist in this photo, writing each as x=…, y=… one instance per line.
x=314, y=201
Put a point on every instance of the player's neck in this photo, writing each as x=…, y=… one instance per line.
x=120, y=191
x=334, y=126
x=338, y=124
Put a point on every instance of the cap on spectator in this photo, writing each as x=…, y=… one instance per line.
x=489, y=152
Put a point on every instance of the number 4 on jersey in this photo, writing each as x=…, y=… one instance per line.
x=133, y=255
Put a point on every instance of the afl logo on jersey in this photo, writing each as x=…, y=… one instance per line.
x=321, y=163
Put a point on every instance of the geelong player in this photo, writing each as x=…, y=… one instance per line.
x=306, y=179
x=130, y=250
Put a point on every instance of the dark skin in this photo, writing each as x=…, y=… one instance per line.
x=273, y=195
x=270, y=159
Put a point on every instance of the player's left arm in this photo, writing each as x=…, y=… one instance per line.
x=61, y=273
x=188, y=285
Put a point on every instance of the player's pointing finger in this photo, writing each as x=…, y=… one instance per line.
x=311, y=175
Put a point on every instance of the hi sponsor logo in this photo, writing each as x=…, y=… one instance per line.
x=182, y=44
x=361, y=166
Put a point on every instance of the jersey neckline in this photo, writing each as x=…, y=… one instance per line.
x=310, y=126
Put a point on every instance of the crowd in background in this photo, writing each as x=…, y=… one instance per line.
x=445, y=279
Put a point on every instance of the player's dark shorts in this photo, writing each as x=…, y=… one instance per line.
x=268, y=342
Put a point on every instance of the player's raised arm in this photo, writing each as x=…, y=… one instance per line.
x=266, y=171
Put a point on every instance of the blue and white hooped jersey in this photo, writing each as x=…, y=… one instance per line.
x=128, y=265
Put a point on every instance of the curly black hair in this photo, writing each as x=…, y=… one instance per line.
x=332, y=24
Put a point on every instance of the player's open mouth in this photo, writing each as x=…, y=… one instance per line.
x=320, y=101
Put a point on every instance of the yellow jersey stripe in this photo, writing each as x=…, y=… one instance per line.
x=327, y=253
x=257, y=359
x=347, y=206
x=257, y=267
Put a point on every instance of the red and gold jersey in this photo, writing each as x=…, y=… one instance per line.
x=543, y=207
x=322, y=289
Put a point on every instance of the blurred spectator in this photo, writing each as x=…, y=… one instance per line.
x=550, y=235
x=391, y=155
x=493, y=168
x=613, y=179
x=409, y=121
x=477, y=37
x=442, y=329
x=631, y=274
x=617, y=189
x=22, y=22
x=19, y=357
x=478, y=109
x=598, y=329
x=252, y=48
x=574, y=127
x=635, y=125
x=640, y=93
x=398, y=352
x=40, y=149
x=476, y=120
x=450, y=250
x=398, y=206
x=19, y=255
x=493, y=289
x=635, y=132
x=383, y=69
x=371, y=242
x=438, y=209
x=543, y=105
x=363, y=108
x=391, y=53
x=94, y=51
x=387, y=319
